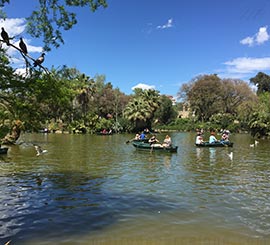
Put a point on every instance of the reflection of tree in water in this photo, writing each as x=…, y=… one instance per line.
x=64, y=204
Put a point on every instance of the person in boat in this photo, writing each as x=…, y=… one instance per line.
x=167, y=141
x=225, y=136
x=153, y=141
x=146, y=131
x=212, y=138
x=199, y=138
x=137, y=137
x=142, y=136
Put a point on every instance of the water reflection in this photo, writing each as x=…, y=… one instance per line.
x=212, y=154
x=98, y=188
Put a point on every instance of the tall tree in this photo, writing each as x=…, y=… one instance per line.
x=27, y=98
x=165, y=113
x=235, y=92
x=203, y=95
x=140, y=110
x=209, y=95
x=260, y=118
x=262, y=82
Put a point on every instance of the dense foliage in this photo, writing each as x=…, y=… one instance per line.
x=209, y=95
x=66, y=99
x=51, y=17
x=229, y=103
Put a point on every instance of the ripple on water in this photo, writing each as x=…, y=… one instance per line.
x=86, y=189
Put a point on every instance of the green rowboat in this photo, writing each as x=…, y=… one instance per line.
x=153, y=147
x=216, y=144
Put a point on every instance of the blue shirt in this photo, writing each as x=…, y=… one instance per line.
x=142, y=136
x=212, y=139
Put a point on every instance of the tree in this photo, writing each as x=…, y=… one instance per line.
x=260, y=118
x=85, y=93
x=218, y=100
x=32, y=97
x=53, y=16
x=35, y=99
x=138, y=112
x=14, y=134
x=141, y=109
x=203, y=95
x=119, y=103
x=235, y=92
x=165, y=113
x=262, y=82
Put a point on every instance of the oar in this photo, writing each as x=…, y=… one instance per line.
x=128, y=141
x=223, y=143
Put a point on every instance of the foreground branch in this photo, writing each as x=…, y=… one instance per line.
x=25, y=56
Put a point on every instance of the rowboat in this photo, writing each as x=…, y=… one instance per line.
x=154, y=147
x=137, y=140
x=216, y=144
x=3, y=150
x=104, y=133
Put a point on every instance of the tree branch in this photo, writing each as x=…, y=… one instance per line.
x=25, y=56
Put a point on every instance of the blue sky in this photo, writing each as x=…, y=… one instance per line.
x=156, y=43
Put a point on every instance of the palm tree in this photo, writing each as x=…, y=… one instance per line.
x=142, y=108
x=152, y=97
x=84, y=96
x=138, y=112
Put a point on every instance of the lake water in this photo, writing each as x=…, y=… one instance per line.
x=89, y=189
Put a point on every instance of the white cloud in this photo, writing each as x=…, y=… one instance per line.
x=169, y=24
x=15, y=27
x=248, y=65
x=30, y=48
x=143, y=86
x=21, y=71
x=247, y=41
x=259, y=38
x=262, y=36
x=244, y=68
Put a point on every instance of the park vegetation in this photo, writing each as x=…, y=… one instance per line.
x=66, y=100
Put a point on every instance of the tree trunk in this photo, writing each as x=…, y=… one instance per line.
x=14, y=135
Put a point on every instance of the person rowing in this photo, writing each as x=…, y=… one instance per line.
x=137, y=137
x=212, y=138
x=153, y=140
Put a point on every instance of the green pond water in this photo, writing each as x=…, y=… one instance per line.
x=89, y=189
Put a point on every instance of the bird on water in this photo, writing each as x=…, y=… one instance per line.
x=39, y=150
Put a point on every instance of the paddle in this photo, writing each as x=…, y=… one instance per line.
x=223, y=143
x=152, y=147
x=128, y=141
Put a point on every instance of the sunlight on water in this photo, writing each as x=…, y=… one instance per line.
x=98, y=188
